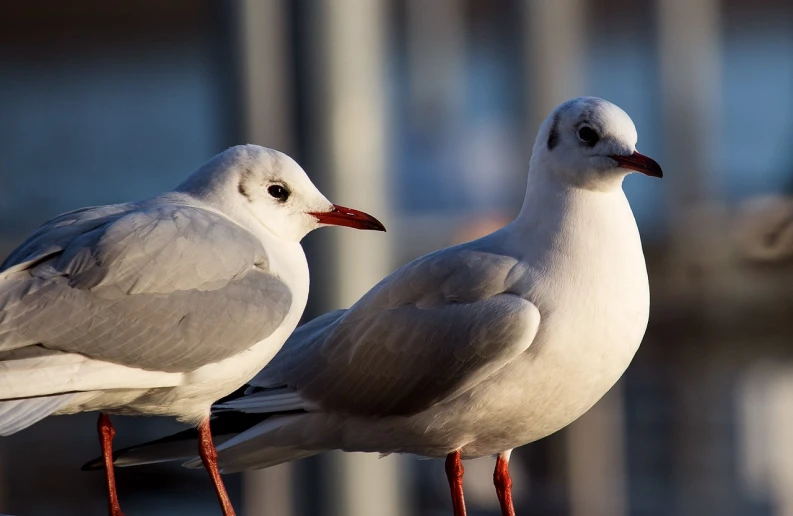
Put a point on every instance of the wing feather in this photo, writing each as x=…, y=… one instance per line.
x=157, y=286
x=427, y=333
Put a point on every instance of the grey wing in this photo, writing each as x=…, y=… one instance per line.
x=159, y=287
x=53, y=236
x=427, y=333
x=270, y=376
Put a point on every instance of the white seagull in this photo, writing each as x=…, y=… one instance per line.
x=475, y=349
x=163, y=306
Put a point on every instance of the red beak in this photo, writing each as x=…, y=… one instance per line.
x=341, y=216
x=639, y=163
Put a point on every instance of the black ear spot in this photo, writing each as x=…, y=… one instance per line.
x=242, y=186
x=243, y=191
x=553, y=134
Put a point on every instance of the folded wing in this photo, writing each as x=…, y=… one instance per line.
x=158, y=286
x=425, y=334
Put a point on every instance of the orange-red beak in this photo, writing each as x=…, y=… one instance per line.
x=639, y=163
x=341, y=216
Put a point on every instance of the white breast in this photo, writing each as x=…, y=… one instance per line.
x=592, y=292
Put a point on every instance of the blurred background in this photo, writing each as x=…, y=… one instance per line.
x=423, y=113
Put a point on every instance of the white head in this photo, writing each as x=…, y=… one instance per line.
x=589, y=143
x=253, y=184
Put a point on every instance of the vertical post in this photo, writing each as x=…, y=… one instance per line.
x=689, y=52
x=265, y=56
x=355, y=138
x=554, y=50
x=555, y=45
x=690, y=94
x=435, y=46
x=596, y=459
x=267, y=120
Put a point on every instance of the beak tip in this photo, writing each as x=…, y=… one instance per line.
x=377, y=226
x=370, y=223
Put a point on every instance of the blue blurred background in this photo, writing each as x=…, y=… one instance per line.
x=423, y=113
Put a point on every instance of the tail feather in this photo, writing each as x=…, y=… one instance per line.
x=179, y=446
x=265, y=458
x=241, y=427
x=248, y=450
x=16, y=415
x=172, y=447
x=274, y=401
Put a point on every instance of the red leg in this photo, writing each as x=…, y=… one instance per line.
x=209, y=456
x=454, y=472
x=503, y=483
x=106, y=433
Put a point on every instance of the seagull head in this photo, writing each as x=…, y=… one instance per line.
x=590, y=143
x=260, y=185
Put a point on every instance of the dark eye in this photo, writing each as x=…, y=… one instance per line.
x=278, y=192
x=588, y=135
